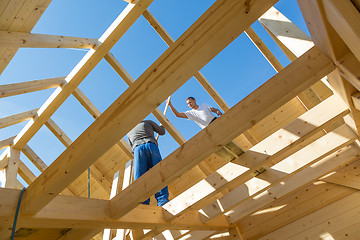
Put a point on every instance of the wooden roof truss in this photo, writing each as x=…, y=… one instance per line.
x=280, y=164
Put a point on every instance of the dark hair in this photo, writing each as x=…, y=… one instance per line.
x=192, y=98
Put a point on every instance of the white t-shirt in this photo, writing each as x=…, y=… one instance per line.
x=202, y=116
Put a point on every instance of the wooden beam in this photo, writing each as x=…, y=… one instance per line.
x=32, y=40
x=6, y=142
x=330, y=163
x=211, y=139
x=343, y=179
x=13, y=89
x=345, y=19
x=270, y=57
x=25, y=173
x=70, y=212
x=12, y=167
x=17, y=118
x=356, y=100
x=124, y=21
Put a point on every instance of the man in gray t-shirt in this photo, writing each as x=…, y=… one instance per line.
x=146, y=153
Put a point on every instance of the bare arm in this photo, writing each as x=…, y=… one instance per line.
x=181, y=115
x=215, y=110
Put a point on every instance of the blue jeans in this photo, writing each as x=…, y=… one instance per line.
x=146, y=156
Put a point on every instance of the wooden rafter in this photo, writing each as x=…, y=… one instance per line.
x=30, y=86
x=32, y=40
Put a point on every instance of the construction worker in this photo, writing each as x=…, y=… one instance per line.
x=200, y=114
x=146, y=153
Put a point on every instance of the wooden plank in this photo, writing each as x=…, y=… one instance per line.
x=270, y=57
x=31, y=40
x=345, y=19
x=59, y=134
x=83, y=68
x=190, y=152
x=25, y=173
x=34, y=158
x=324, y=166
x=356, y=100
x=6, y=142
x=343, y=179
x=17, y=118
x=30, y=86
x=12, y=167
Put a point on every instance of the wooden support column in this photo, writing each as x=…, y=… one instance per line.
x=12, y=167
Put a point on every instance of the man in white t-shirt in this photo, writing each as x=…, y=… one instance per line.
x=201, y=114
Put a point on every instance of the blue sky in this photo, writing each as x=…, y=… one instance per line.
x=235, y=72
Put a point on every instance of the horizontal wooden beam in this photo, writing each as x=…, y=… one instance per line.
x=17, y=118
x=33, y=40
x=77, y=212
x=30, y=86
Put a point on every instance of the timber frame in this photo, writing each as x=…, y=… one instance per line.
x=280, y=164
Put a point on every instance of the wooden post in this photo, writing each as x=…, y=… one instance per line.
x=12, y=168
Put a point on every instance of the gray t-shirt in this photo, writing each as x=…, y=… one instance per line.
x=144, y=132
